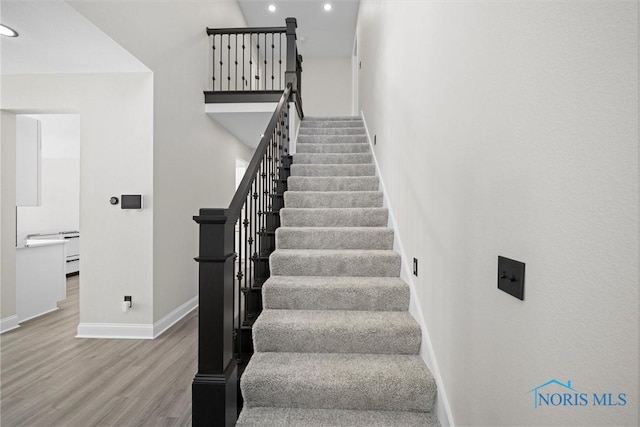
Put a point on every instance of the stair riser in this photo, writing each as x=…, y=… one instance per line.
x=331, y=124
x=332, y=159
x=351, y=384
x=333, y=170
x=356, y=265
x=339, y=238
x=324, y=298
x=350, y=148
x=334, y=217
x=299, y=183
x=338, y=199
x=332, y=131
x=330, y=139
x=367, y=336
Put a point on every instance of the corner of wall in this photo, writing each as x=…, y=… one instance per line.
x=443, y=409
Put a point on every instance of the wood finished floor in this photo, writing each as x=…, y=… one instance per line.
x=50, y=378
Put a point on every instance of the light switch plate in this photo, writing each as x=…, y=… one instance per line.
x=511, y=277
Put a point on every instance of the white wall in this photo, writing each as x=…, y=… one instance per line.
x=327, y=86
x=194, y=157
x=511, y=128
x=8, y=216
x=116, y=157
x=60, y=202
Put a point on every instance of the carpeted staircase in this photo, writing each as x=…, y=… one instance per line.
x=335, y=344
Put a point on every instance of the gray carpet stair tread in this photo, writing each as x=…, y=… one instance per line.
x=333, y=183
x=334, y=217
x=333, y=170
x=317, y=145
x=331, y=262
x=334, y=238
x=339, y=381
x=332, y=158
x=335, y=293
x=330, y=123
x=356, y=130
x=330, y=118
x=303, y=417
x=333, y=199
x=336, y=331
x=305, y=142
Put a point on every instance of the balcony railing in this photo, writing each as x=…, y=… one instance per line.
x=254, y=64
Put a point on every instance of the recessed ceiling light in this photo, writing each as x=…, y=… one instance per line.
x=271, y=8
x=6, y=31
x=327, y=7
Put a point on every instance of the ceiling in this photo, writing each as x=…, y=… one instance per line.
x=55, y=38
x=319, y=33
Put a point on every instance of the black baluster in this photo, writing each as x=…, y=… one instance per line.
x=243, y=63
x=213, y=61
x=221, y=49
x=280, y=62
x=228, y=61
x=235, y=77
x=272, y=62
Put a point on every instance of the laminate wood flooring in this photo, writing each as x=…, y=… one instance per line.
x=50, y=378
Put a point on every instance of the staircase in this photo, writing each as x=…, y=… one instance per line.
x=335, y=344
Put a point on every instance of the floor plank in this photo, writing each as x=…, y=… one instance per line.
x=50, y=378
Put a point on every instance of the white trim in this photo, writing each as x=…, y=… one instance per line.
x=9, y=323
x=115, y=331
x=141, y=331
x=443, y=409
x=174, y=317
x=240, y=107
x=39, y=314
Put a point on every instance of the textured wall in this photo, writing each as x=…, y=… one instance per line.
x=326, y=86
x=193, y=156
x=8, y=215
x=511, y=128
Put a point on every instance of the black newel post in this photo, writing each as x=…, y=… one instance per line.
x=290, y=76
x=215, y=386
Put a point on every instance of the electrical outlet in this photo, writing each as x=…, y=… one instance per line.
x=128, y=298
x=415, y=267
x=511, y=277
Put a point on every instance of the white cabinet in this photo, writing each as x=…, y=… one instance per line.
x=40, y=278
x=28, y=159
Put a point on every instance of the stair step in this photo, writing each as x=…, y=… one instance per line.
x=336, y=331
x=330, y=139
x=330, y=118
x=332, y=131
x=333, y=199
x=328, y=262
x=333, y=183
x=334, y=238
x=331, y=123
x=305, y=417
x=323, y=147
x=338, y=381
x=332, y=158
x=334, y=217
x=335, y=293
x=333, y=170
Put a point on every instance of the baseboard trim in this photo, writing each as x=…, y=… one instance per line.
x=9, y=323
x=131, y=331
x=136, y=331
x=174, y=317
x=443, y=409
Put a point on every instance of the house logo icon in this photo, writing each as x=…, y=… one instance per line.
x=565, y=397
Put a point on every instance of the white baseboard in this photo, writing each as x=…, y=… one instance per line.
x=142, y=331
x=443, y=409
x=174, y=317
x=8, y=323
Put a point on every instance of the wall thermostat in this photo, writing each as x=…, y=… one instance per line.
x=131, y=201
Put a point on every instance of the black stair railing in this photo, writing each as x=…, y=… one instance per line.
x=253, y=61
x=235, y=244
